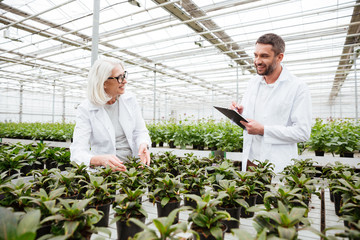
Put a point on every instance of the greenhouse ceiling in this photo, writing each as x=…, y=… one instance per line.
x=187, y=53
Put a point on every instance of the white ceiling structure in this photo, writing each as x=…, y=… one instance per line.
x=186, y=54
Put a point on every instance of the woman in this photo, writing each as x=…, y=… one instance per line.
x=109, y=126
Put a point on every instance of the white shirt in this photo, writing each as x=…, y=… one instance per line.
x=259, y=110
x=122, y=146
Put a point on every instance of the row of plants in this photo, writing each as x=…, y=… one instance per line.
x=344, y=189
x=332, y=136
x=37, y=130
x=75, y=203
x=22, y=158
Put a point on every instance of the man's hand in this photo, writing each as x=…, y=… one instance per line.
x=237, y=107
x=108, y=160
x=253, y=127
x=144, y=154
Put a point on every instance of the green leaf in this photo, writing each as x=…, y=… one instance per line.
x=8, y=224
x=164, y=201
x=216, y=232
x=70, y=227
x=29, y=223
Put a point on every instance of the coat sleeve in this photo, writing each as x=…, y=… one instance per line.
x=299, y=128
x=80, y=148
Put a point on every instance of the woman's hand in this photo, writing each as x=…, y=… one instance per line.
x=144, y=154
x=108, y=160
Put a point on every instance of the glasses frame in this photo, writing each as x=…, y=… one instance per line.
x=121, y=76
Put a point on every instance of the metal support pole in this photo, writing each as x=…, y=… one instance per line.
x=63, y=113
x=212, y=101
x=166, y=107
x=154, y=115
x=53, y=103
x=356, y=95
x=95, y=32
x=21, y=101
x=237, y=83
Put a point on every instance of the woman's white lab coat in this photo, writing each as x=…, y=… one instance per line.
x=287, y=119
x=94, y=132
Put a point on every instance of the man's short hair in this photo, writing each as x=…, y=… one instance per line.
x=277, y=43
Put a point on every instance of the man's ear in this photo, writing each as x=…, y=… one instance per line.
x=280, y=56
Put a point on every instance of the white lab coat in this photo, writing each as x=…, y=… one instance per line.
x=94, y=132
x=287, y=119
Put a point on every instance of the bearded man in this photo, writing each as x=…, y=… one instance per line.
x=277, y=105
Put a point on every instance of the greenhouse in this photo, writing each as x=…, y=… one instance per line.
x=179, y=119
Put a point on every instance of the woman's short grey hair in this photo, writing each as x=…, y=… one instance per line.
x=98, y=74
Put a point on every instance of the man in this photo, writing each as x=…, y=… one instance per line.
x=277, y=105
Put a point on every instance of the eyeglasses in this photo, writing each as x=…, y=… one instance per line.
x=121, y=76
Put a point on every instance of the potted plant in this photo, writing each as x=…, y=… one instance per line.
x=249, y=189
x=13, y=194
x=194, y=181
x=264, y=173
x=206, y=219
x=165, y=227
x=220, y=172
x=320, y=139
x=128, y=205
x=231, y=201
x=101, y=198
x=167, y=195
x=19, y=226
x=280, y=223
x=47, y=204
x=73, y=222
x=70, y=181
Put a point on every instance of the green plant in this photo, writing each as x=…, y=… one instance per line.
x=164, y=227
x=167, y=189
x=21, y=226
x=194, y=179
x=14, y=193
x=97, y=190
x=230, y=194
x=205, y=218
x=45, y=202
x=281, y=222
x=128, y=205
x=72, y=222
x=68, y=180
x=133, y=178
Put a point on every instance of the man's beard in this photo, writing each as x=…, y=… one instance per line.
x=268, y=70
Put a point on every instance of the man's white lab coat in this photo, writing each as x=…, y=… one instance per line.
x=287, y=119
x=94, y=132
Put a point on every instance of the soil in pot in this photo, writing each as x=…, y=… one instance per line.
x=234, y=213
x=164, y=211
x=124, y=231
x=251, y=201
x=209, y=237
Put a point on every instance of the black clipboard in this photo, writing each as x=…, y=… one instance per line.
x=232, y=115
